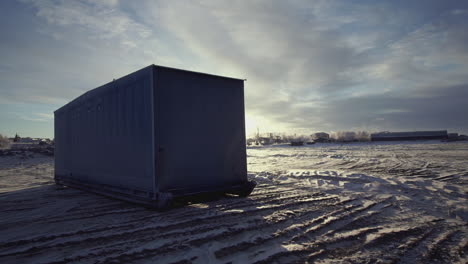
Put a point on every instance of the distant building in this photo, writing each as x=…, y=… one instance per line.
x=416, y=135
x=278, y=140
x=456, y=137
x=29, y=140
x=320, y=137
x=250, y=141
x=265, y=140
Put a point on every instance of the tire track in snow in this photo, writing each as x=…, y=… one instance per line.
x=138, y=233
x=278, y=223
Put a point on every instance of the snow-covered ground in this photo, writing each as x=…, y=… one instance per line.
x=402, y=202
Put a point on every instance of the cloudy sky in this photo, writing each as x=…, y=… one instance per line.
x=310, y=65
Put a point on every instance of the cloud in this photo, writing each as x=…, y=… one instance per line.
x=100, y=19
x=67, y=48
x=309, y=65
x=35, y=117
x=266, y=42
x=440, y=108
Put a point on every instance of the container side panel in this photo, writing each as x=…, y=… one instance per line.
x=201, y=131
x=105, y=136
x=61, y=143
x=155, y=107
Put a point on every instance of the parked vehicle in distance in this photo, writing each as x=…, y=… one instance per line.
x=297, y=143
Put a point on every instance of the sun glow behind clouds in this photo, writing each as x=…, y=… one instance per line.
x=254, y=122
x=310, y=66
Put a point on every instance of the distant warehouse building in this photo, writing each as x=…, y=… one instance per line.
x=415, y=135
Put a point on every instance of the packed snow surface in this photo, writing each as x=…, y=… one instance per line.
x=400, y=202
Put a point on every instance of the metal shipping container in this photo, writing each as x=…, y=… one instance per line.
x=153, y=135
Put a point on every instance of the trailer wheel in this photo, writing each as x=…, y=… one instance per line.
x=246, y=190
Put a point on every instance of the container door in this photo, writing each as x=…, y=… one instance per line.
x=201, y=131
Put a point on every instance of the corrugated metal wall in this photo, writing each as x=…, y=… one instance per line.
x=105, y=136
x=201, y=130
x=194, y=121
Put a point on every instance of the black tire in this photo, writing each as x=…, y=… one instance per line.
x=246, y=190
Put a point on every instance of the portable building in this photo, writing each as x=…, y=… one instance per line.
x=153, y=135
x=321, y=135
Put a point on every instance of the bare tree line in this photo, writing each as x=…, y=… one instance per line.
x=4, y=142
x=338, y=136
